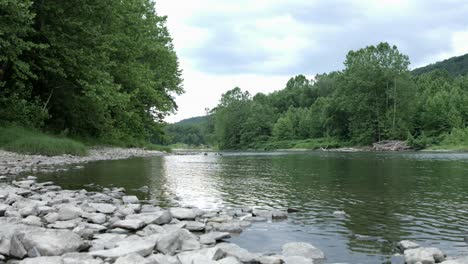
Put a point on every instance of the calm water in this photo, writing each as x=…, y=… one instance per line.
x=386, y=197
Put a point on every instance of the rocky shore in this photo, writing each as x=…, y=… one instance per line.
x=41, y=223
x=13, y=163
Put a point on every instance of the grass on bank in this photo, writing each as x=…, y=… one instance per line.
x=456, y=140
x=25, y=141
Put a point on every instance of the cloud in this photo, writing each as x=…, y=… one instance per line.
x=255, y=42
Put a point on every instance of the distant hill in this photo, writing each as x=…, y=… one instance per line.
x=455, y=66
x=193, y=120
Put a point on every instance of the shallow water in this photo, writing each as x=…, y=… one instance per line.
x=387, y=197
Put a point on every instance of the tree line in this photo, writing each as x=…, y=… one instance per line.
x=374, y=98
x=93, y=69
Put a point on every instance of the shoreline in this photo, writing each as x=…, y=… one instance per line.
x=41, y=223
x=12, y=163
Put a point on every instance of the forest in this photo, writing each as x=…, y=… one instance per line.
x=375, y=97
x=103, y=71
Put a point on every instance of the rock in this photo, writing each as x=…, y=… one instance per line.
x=150, y=230
x=302, y=249
x=406, y=244
x=107, y=240
x=279, y=215
x=183, y=213
x=42, y=260
x=130, y=199
x=206, y=255
x=241, y=254
x=32, y=220
x=29, y=210
x=97, y=218
x=48, y=242
x=162, y=259
x=339, y=213
x=254, y=219
x=103, y=207
x=297, y=260
x=271, y=259
x=70, y=224
x=194, y=226
x=212, y=237
x=3, y=209
x=80, y=258
x=231, y=227
x=51, y=217
x=159, y=218
x=132, y=258
x=262, y=213
x=424, y=255
x=229, y=260
x=131, y=224
x=69, y=212
x=134, y=244
x=178, y=239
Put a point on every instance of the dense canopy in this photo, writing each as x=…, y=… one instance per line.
x=92, y=69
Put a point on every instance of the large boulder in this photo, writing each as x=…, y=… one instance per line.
x=103, y=207
x=407, y=244
x=44, y=242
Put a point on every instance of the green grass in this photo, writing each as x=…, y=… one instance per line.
x=33, y=142
x=456, y=140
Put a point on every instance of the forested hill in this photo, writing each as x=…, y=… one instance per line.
x=104, y=70
x=191, y=131
x=375, y=97
x=455, y=66
x=193, y=120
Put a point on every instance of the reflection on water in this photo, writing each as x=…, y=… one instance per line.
x=386, y=197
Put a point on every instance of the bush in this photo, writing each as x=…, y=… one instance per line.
x=33, y=142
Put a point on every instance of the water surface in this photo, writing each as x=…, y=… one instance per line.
x=387, y=197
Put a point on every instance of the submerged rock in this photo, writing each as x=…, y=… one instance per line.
x=302, y=249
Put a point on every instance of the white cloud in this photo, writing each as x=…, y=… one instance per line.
x=258, y=45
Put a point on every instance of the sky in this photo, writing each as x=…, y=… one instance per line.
x=258, y=45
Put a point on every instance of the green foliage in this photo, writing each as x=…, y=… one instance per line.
x=33, y=142
x=457, y=139
x=374, y=98
x=454, y=66
x=96, y=69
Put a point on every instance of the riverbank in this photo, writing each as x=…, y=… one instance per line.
x=41, y=223
x=12, y=163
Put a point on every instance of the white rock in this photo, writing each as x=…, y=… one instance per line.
x=159, y=217
x=132, y=258
x=183, y=213
x=177, y=239
x=134, y=244
x=229, y=260
x=206, y=254
x=32, y=220
x=69, y=212
x=132, y=224
x=212, y=237
x=424, y=255
x=297, y=260
x=48, y=242
x=42, y=260
x=302, y=249
x=407, y=244
x=103, y=207
x=130, y=199
x=241, y=254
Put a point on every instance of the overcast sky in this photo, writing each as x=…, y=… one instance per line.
x=259, y=44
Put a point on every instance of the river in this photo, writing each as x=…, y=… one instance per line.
x=386, y=197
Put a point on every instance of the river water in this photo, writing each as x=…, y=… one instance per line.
x=386, y=197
